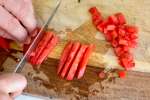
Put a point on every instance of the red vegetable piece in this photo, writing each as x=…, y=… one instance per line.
x=121, y=50
x=133, y=43
x=102, y=75
x=126, y=60
x=75, y=63
x=114, y=43
x=131, y=29
x=114, y=34
x=123, y=42
x=122, y=74
x=70, y=59
x=121, y=32
x=127, y=64
x=41, y=46
x=101, y=26
x=113, y=19
x=121, y=18
x=64, y=56
x=51, y=44
x=94, y=11
x=96, y=19
x=84, y=61
x=4, y=44
x=110, y=27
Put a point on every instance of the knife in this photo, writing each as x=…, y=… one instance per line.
x=36, y=40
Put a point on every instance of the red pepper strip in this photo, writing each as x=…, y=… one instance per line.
x=64, y=56
x=75, y=63
x=4, y=44
x=70, y=59
x=49, y=47
x=84, y=61
x=42, y=44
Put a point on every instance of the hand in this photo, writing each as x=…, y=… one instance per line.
x=11, y=85
x=17, y=19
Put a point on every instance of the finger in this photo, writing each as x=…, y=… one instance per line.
x=4, y=34
x=12, y=25
x=4, y=96
x=15, y=94
x=11, y=83
x=23, y=10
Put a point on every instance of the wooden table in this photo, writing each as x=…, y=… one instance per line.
x=134, y=87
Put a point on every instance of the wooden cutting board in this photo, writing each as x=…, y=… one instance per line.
x=72, y=22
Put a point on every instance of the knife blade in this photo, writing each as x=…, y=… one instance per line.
x=36, y=40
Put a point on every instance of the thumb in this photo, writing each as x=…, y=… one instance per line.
x=12, y=83
x=5, y=96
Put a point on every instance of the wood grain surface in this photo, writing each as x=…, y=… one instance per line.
x=45, y=82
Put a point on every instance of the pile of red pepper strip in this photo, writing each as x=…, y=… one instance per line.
x=74, y=59
x=44, y=47
x=121, y=36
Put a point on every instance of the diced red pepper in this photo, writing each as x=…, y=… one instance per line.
x=121, y=36
x=114, y=43
x=96, y=20
x=96, y=16
x=75, y=63
x=51, y=44
x=123, y=42
x=131, y=29
x=84, y=61
x=64, y=56
x=70, y=59
x=121, y=32
x=127, y=64
x=121, y=18
x=122, y=74
x=102, y=75
x=94, y=11
x=102, y=25
x=113, y=19
x=113, y=34
x=110, y=27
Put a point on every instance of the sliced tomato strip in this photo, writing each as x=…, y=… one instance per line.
x=84, y=61
x=49, y=47
x=75, y=63
x=70, y=59
x=64, y=56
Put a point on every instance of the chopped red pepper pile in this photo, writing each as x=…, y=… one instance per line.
x=74, y=59
x=121, y=36
x=44, y=47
